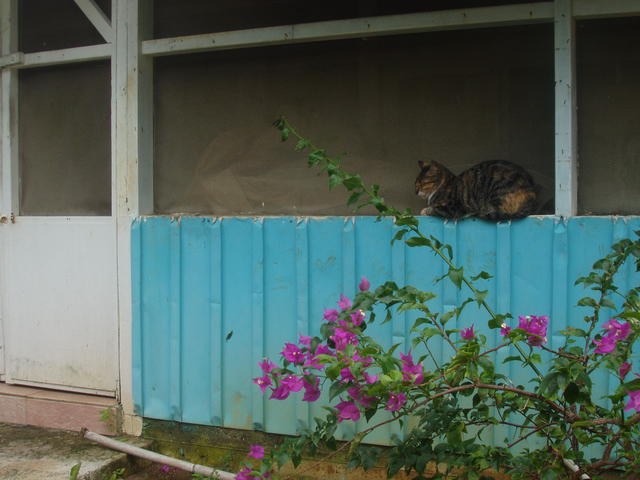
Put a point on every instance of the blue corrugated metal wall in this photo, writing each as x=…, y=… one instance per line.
x=264, y=281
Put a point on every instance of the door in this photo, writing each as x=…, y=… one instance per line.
x=59, y=284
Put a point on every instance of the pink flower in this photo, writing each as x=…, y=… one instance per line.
x=165, y=468
x=410, y=371
x=292, y=353
x=304, y=340
x=331, y=315
x=357, y=318
x=311, y=390
x=606, y=345
x=262, y=382
x=348, y=411
x=396, y=401
x=293, y=383
x=634, y=401
x=280, y=392
x=244, y=474
x=346, y=375
x=536, y=327
x=370, y=379
x=624, y=369
x=467, y=333
x=361, y=398
x=505, y=329
x=344, y=303
x=617, y=330
x=256, y=451
x=342, y=338
x=364, y=284
x=266, y=366
x=366, y=361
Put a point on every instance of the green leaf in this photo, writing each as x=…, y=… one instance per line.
x=354, y=198
x=587, y=302
x=284, y=136
x=456, y=275
x=418, y=242
x=301, y=145
x=75, y=471
x=336, y=389
x=316, y=157
x=482, y=275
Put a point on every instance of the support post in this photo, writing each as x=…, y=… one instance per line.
x=97, y=17
x=132, y=147
x=9, y=176
x=566, y=144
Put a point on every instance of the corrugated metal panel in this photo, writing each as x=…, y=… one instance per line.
x=212, y=297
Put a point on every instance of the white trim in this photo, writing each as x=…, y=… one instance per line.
x=9, y=181
x=67, y=55
x=584, y=9
x=355, y=28
x=132, y=142
x=97, y=17
x=566, y=143
x=12, y=59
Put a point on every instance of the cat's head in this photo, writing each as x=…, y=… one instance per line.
x=432, y=177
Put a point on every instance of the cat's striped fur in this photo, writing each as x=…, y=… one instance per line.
x=492, y=190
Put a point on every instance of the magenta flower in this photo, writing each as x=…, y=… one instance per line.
x=606, y=345
x=370, y=379
x=266, y=366
x=244, y=474
x=617, y=330
x=280, y=392
x=624, y=369
x=634, y=401
x=348, y=411
x=504, y=329
x=256, y=451
x=364, y=284
x=357, y=318
x=396, y=401
x=165, y=468
x=366, y=361
x=293, y=383
x=262, y=382
x=346, y=375
x=410, y=371
x=342, y=338
x=311, y=390
x=467, y=333
x=344, y=303
x=304, y=340
x=536, y=327
x=331, y=315
x=357, y=394
x=292, y=353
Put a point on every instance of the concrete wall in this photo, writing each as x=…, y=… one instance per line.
x=456, y=97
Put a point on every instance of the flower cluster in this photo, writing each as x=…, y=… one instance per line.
x=534, y=326
x=617, y=332
x=305, y=364
x=248, y=472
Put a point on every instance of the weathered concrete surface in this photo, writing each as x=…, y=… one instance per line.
x=31, y=453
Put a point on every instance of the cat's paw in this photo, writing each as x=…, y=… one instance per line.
x=426, y=211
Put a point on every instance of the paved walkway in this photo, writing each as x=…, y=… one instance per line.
x=32, y=453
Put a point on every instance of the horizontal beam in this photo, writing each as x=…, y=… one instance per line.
x=11, y=60
x=67, y=55
x=586, y=9
x=355, y=28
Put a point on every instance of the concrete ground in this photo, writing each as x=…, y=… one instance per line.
x=33, y=453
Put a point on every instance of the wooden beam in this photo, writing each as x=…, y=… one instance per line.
x=586, y=9
x=9, y=174
x=11, y=60
x=566, y=144
x=132, y=169
x=355, y=28
x=97, y=17
x=67, y=55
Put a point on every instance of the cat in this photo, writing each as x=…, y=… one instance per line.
x=493, y=190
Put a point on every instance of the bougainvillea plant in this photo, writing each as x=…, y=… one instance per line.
x=555, y=421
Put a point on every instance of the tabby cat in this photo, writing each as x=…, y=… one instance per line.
x=492, y=190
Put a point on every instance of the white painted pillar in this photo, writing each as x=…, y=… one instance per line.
x=9, y=176
x=566, y=137
x=132, y=147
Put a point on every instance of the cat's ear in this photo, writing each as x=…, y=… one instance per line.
x=421, y=164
